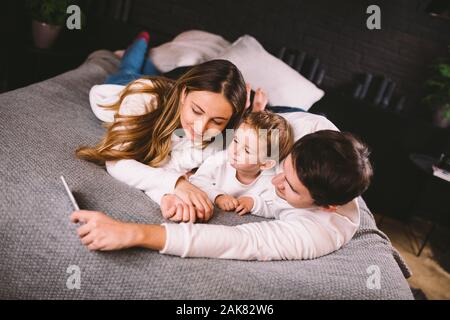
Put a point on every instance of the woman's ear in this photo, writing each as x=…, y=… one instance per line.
x=183, y=95
x=269, y=164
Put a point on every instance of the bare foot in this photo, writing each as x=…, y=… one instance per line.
x=259, y=101
x=248, y=88
x=119, y=53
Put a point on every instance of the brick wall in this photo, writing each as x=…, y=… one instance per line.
x=334, y=31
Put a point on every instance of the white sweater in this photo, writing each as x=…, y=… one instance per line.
x=294, y=234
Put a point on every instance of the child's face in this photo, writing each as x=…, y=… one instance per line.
x=247, y=149
x=289, y=187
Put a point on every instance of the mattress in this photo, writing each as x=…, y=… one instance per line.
x=41, y=126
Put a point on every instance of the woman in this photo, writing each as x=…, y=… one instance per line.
x=145, y=117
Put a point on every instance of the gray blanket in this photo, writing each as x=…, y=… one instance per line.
x=42, y=125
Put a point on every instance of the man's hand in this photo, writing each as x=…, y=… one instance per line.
x=245, y=205
x=226, y=202
x=100, y=232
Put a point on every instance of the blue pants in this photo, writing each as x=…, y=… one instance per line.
x=283, y=109
x=133, y=65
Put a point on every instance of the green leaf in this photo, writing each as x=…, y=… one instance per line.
x=49, y=11
x=444, y=70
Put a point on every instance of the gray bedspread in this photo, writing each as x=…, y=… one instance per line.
x=42, y=125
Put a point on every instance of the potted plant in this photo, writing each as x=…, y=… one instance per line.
x=438, y=97
x=48, y=17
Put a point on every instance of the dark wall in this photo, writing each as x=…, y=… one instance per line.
x=334, y=31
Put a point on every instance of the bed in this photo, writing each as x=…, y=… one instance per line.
x=41, y=125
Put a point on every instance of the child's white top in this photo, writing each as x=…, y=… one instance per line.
x=184, y=155
x=216, y=176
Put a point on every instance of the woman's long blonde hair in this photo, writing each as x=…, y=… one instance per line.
x=147, y=138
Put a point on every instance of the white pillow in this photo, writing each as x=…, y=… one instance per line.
x=187, y=49
x=284, y=85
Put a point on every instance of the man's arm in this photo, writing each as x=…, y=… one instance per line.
x=101, y=232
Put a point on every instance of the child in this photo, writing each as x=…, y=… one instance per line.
x=235, y=179
x=315, y=211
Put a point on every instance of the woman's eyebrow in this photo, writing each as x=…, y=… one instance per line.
x=226, y=119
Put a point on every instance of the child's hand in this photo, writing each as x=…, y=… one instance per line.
x=245, y=205
x=226, y=202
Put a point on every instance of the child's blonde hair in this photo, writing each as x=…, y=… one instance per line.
x=274, y=128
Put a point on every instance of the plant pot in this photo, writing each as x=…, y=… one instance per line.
x=44, y=34
x=440, y=119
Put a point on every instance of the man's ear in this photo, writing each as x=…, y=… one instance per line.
x=269, y=164
x=330, y=208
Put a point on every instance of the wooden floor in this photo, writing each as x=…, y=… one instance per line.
x=431, y=271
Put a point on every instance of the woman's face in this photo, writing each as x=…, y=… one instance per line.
x=204, y=114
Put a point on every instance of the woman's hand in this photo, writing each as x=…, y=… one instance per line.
x=245, y=205
x=195, y=198
x=174, y=209
x=226, y=202
x=100, y=232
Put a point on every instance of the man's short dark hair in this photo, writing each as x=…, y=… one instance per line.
x=334, y=166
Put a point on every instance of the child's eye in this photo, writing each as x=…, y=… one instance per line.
x=218, y=122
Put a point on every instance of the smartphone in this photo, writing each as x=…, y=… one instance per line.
x=70, y=194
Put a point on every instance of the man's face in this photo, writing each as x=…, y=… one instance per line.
x=289, y=187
